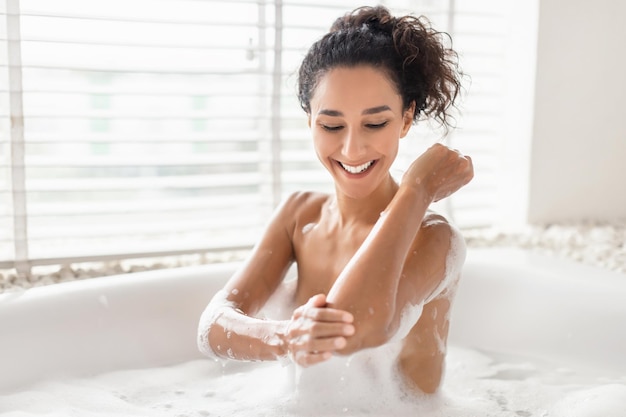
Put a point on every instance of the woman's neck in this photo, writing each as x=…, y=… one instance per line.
x=366, y=210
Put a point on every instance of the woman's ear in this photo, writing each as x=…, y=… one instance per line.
x=407, y=119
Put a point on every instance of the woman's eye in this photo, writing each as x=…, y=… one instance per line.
x=376, y=125
x=332, y=128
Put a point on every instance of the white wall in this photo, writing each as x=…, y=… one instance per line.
x=521, y=63
x=578, y=156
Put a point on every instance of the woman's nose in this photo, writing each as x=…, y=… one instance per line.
x=353, y=147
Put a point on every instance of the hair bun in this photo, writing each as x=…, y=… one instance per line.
x=377, y=19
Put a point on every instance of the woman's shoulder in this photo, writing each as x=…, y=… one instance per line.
x=439, y=235
x=304, y=203
x=437, y=249
x=299, y=208
x=432, y=218
x=440, y=249
x=436, y=226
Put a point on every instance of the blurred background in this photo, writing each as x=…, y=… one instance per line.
x=150, y=133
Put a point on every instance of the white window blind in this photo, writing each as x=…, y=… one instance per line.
x=164, y=127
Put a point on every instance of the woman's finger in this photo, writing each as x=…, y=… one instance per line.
x=318, y=300
x=308, y=344
x=319, y=329
x=327, y=315
x=306, y=351
x=306, y=359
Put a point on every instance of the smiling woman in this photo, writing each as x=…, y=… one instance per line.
x=377, y=269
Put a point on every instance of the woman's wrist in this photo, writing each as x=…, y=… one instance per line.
x=418, y=189
x=279, y=344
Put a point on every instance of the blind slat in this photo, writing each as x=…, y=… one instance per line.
x=147, y=205
x=124, y=160
x=143, y=183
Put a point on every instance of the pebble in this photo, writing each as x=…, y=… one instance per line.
x=596, y=244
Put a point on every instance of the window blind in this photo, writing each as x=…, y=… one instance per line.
x=162, y=127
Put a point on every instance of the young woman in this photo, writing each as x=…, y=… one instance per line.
x=370, y=257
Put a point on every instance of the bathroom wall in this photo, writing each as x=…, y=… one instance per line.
x=578, y=154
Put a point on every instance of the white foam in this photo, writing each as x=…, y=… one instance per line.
x=607, y=400
x=454, y=264
x=308, y=227
x=476, y=384
x=209, y=316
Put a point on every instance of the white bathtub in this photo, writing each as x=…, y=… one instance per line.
x=509, y=301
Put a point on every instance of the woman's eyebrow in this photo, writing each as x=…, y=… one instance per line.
x=372, y=110
x=333, y=113
x=375, y=110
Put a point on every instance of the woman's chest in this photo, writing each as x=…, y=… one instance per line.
x=321, y=256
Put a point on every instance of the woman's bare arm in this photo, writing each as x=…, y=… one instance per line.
x=228, y=329
x=392, y=253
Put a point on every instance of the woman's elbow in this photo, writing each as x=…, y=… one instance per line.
x=368, y=335
x=211, y=314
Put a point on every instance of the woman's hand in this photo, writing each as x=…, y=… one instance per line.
x=440, y=171
x=315, y=331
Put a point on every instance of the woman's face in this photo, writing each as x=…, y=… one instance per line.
x=356, y=122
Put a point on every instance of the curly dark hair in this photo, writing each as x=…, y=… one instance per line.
x=407, y=49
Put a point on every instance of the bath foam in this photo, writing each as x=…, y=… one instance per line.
x=607, y=400
x=209, y=316
x=477, y=384
x=454, y=264
x=366, y=381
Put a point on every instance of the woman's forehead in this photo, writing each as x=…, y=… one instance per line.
x=362, y=87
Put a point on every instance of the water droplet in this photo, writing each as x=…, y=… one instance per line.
x=235, y=291
x=371, y=310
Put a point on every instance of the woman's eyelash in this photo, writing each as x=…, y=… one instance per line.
x=369, y=125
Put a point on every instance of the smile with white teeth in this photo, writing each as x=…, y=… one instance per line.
x=356, y=169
